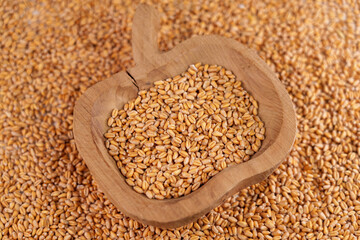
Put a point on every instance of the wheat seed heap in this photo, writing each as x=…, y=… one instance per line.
x=52, y=51
x=175, y=136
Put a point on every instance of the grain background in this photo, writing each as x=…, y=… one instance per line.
x=52, y=51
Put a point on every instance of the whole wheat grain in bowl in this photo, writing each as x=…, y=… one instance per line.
x=182, y=131
x=52, y=51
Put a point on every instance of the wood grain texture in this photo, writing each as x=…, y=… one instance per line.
x=94, y=107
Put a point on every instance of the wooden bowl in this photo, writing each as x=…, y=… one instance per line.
x=94, y=107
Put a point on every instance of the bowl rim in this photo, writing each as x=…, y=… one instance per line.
x=179, y=211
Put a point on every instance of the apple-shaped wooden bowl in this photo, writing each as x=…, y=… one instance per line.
x=94, y=107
